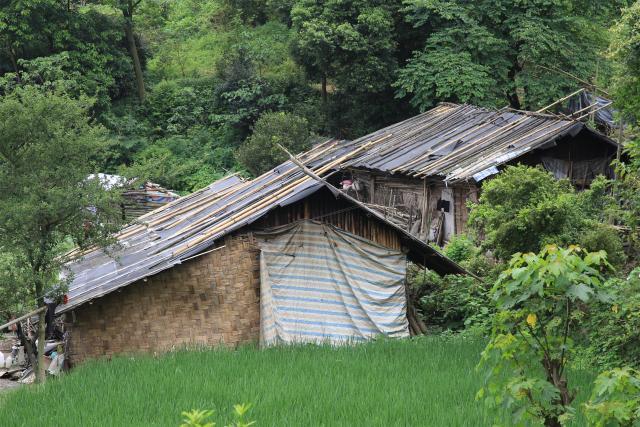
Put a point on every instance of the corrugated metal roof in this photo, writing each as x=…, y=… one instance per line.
x=451, y=141
x=171, y=234
x=457, y=142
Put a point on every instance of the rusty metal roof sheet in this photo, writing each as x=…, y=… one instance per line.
x=181, y=229
x=457, y=142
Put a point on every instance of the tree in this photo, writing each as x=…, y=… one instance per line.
x=524, y=208
x=30, y=29
x=625, y=51
x=540, y=298
x=349, y=42
x=260, y=152
x=47, y=204
x=128, y=9
x=76, y=48
x=488, y=52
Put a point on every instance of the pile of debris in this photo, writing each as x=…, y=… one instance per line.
x=145, y=198
x=137, y=198
x=15, y=364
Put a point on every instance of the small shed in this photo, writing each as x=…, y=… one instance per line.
x=285, y=257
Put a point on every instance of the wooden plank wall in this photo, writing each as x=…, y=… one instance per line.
x=324, y=207
x=407, y=195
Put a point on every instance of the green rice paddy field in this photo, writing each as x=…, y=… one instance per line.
x=429, y=381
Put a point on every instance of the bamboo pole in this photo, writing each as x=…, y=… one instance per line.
x=21, y=318
x=594, y=111
x=238, y=194
x=470, y=147
x=313, y=154
x=553, y=104
x=280, y=193
x=489, y=158
x=451, y=141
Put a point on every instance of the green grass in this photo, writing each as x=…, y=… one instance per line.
x=429, y=381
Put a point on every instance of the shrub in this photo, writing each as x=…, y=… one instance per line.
x=524, y=208
x=452, y=302
x=604, y=237
x=539, y=298
x=463, y=250
x=615, y=400
x=612, y=330
x=460, y=248
x=200, y=418
x=260, y=152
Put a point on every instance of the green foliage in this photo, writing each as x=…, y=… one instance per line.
x=78, y=49
x=47, y=146
x=540, y=299
x=175, y=106
x=464, y=81
x=522, y=209
x=13, y=296
x=184, y=163
x=612, y=329
x=460, y=248
x=604, y=237
x=199, y=418
x=615, y=400
x=349, y=42
x=487, y=51
x=260, y=151
x=625, y=51
x=452, y=302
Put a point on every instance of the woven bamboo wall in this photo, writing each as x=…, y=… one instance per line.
x=210, y=300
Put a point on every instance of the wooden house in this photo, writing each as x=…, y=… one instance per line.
x=285, y=257
x=422, y=172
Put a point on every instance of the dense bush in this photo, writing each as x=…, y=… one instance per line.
x=260, y=151
x=462, y=249
x=184, y=163
x=612, y=330
x=524, y=208
x=598, y=237
x=452, y=302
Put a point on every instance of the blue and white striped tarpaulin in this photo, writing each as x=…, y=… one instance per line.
x=321, y=284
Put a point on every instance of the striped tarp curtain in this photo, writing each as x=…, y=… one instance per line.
x=322, y=284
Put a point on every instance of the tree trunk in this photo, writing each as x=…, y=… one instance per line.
x=133, y=50
x=40, y=369
x=514, y=100
x=14, y=62
x=28, y=345
x=552, y=422
x=324, y=89
x=512, y=97
x=553, y=369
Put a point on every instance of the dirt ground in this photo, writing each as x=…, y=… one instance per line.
x=7, y=385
